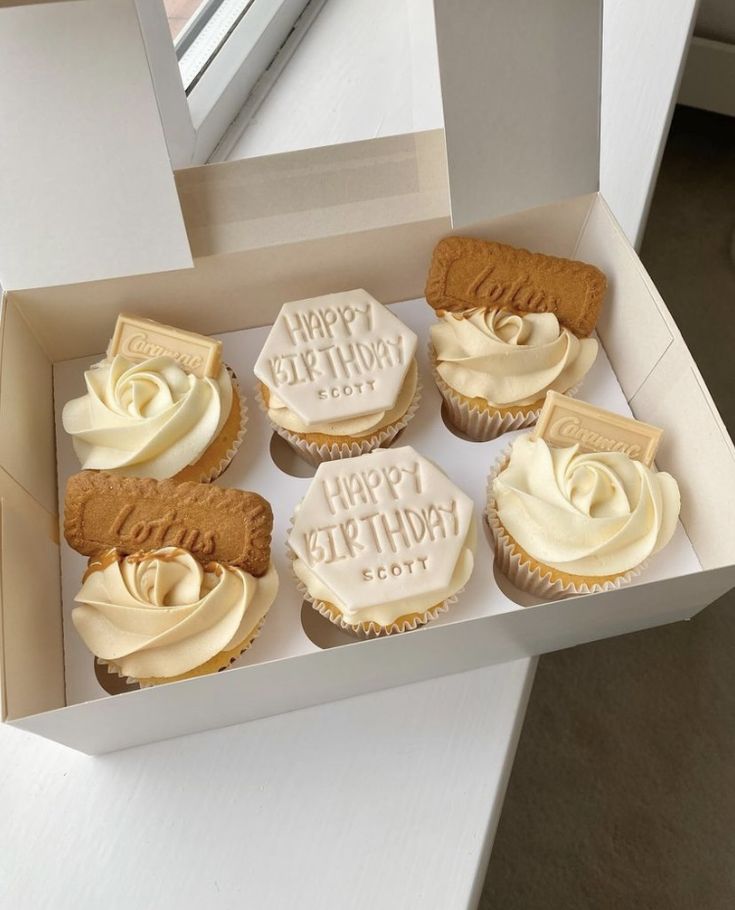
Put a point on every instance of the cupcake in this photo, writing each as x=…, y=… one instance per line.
x=338, y=376
x=512, y=326
x=570, y=522
x=382, y=543
x=160, y=405
x=161, y=616
x=180, y=575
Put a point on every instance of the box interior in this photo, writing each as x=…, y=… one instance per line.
x=266, y=466
x=44, y=329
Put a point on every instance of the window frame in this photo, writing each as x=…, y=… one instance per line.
x=253, y=53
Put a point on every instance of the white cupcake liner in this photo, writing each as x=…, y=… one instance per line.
x=131, y=680
x=370, y=629
x=214, y=472
x=315, y=454
x=478, y=423
x=531, y=576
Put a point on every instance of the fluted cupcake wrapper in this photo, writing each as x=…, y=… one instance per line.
x=478, y=423
x=368, y=629
x=315, y=454
x=529, y=575
x=228, y=658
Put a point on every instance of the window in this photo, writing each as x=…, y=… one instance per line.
x=204, y=33
x=224, y=56
x=178, y=13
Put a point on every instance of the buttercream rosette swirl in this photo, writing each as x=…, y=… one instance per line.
x=494, y=366
x=151, y=419
x=567, y=521
x=161, y=615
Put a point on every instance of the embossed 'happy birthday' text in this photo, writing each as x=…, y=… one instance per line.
x=387, y=528
x=328, y=347
x=328, y=322
x=387, y=531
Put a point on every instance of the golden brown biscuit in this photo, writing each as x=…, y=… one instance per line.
x=102, y=511
x=466, y=273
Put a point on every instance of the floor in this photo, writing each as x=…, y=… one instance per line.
x=622, y=794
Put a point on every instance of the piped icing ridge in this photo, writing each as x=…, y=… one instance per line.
x=509, y=358
x=586, y=514
x=161, y=613
x=146, y=419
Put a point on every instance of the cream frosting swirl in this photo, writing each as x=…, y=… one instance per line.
x=147, y=419
x=593, y=514
x=280, y=414
x=509, y=358
x=161, y=614
x=386, y=613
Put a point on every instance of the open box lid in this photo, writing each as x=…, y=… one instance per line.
x=86, y=185
x=547, y=99
x=522, y=125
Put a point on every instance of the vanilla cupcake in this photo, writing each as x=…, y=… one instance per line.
x=338, y=376
x=513, y=325
x=494, y=367
x=161, y=616
x=160, y=416
x=569, y=522
x=382, y=543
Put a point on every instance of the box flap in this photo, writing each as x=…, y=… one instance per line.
x=521, y=93
x=31, y=635
x=643, y=54
x=86, y=185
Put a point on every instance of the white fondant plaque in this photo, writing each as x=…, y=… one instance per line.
x=381, y=527
x=336, y=357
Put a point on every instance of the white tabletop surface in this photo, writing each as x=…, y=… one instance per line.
x=385, y=801
x=389, y=800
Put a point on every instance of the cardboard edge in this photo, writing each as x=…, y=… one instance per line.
x=31, y=473
x=466, y=645
x=600, y=207
x=15, y=498
x=422, y=232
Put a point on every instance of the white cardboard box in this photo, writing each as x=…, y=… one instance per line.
x=268, y=230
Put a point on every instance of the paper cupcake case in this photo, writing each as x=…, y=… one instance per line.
x=478, y=423
x=316, y=454
x=526, y=574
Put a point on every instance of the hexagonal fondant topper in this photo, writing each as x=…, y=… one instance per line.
x=381, y=527
x=335, y=357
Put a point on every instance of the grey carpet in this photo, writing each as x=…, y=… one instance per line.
x=623, y=790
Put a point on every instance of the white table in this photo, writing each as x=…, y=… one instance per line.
x=389, y=800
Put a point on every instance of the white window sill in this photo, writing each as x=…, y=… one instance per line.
x=365, y=68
